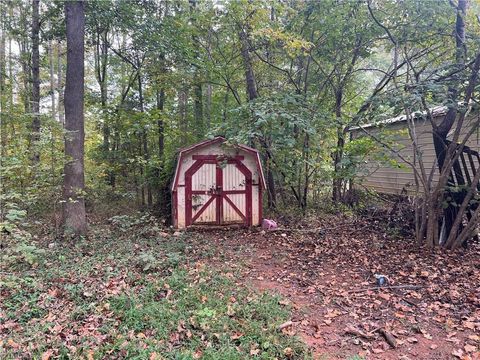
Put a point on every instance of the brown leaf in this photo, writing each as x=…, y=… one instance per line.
x=236, y=335
x=230, y=310
x=47, y=354
x=384, y=296
x=254, y=352
x=458, y=353
x=154, y=356
x=288, y=352
x=12, y=344
x=474, y=338
x=469, y=348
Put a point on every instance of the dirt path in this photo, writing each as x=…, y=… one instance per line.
x=327, y=279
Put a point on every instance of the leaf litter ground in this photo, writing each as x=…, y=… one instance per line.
x=134, y=291
x=429, y=308
x=131, y=291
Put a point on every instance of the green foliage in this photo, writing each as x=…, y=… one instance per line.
x=148, y=261
x=204, y=309
x=162, y=76
x=177, y=307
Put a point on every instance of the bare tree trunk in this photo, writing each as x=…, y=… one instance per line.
x=52, y=79
x=160, y=124
x=182, y=111
x=10, y=65
x=252, y=92
x=3, y=107
x=440, y=134
x=101, y=63
x=225, y=105
x=74, y=217
x=197, y=87
x=146, y=155
x=198, y=108
x=3, y=57
x=208, y=106
x=61, y=114
x=35, y=82
x=306, y=184
x=163, y=190
x=25, y=61
x=447, y=123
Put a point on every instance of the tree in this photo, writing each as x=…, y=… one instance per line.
x=35, y=81
x=74, y=218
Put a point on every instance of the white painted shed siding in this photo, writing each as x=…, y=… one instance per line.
x=204, y=179
x=233, y=179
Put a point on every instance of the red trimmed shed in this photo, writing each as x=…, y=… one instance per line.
x=217, y=184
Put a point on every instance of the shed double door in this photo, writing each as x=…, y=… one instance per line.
x=218, y=191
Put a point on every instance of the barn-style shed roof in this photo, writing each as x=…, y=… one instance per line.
x=209, y=142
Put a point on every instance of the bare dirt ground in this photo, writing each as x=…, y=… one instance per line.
x=429, y=308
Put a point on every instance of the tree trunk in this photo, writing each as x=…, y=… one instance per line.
x=143, y=146
x=74, y=217
x=447, y=123
x=252, y=92
x=306, y=184
x=25, y=61
x=160, y=124
x=197, y=91
x=3, y=67
x=10, y=65
x=198, y=108
x=208, y=106
x=61, y=114
x=101, y=62
x=163, y=191
x=35, y=82
x=182, y=112
x=440, y=134
x=338, y=154
x=3, y=95
x=52, y=79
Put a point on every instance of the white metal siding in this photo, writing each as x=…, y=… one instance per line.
x=392, y=180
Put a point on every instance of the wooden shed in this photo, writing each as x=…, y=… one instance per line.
x=216, y=183
x=401, y=180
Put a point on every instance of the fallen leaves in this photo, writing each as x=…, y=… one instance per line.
x=316, y=274
x=288, y=352
x=47, y=355
x=470, y=348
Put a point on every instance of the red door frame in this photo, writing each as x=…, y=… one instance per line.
x=219, y=195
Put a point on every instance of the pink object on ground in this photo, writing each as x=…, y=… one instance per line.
x=268, y=224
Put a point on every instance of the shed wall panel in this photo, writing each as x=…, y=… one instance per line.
x=392, y=180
